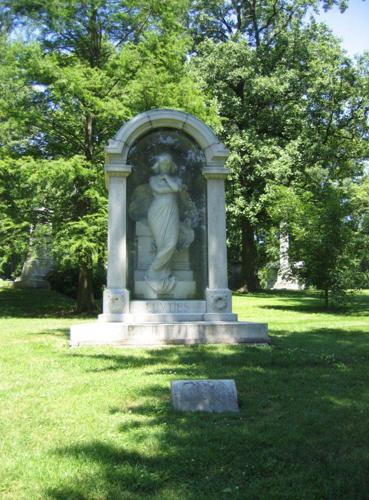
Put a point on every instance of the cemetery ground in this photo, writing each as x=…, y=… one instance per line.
x=97, y=423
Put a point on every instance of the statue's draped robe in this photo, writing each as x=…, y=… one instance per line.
x=163, y=220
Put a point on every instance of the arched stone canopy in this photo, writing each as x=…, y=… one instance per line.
x=117, y=170
x=167, y=317
x=118, y=147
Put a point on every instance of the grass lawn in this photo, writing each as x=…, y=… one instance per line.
x=97, y=423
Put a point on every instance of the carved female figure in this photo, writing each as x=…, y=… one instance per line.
x=163, y=220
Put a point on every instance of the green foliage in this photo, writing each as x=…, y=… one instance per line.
x=294, y=111
x=17, y=216
x=277, y=86
x=360, y=214
x=68, y=194
x=84, y=68
x=79, y=226
x=16, y=97
x=326, y=233
x=328, y=244
x=260, y=23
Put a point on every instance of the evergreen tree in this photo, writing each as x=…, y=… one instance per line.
x=93, y=65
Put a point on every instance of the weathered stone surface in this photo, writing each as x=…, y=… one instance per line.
x=39, y=261
x=285, y=279
x=174, y=332
x=165, y=268
x=167, y=306
x=205, y=395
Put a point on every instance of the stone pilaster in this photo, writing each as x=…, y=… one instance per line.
x=116, y=296
x=218, y=296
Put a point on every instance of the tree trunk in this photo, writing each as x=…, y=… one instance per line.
x=249, y=257
x=85, y=296
x=89, y=139
x=326, y=298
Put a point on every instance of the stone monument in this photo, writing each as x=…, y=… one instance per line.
x=39, y=261
x=285, y=279
x=167, y=255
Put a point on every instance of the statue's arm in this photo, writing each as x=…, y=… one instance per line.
x=158, y=187
x=174, y=183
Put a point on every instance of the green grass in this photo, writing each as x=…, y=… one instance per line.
x=97, y=423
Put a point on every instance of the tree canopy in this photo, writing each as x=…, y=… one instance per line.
x=86, y=67
x=294, y=109
x=276, y=85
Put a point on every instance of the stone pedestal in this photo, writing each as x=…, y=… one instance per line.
x=140, y=316
x=155, y=333
x=185, y=286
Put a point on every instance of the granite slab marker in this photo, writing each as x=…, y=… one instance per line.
x=205, y=395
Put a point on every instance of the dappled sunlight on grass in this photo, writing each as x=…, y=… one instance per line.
x=97, y=423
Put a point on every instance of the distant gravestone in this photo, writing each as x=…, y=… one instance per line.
x=205, y=395
x=285, y=279
x=39, y=261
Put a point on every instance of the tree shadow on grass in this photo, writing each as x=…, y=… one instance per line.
x=309, y=302
x=319, y=346
x=298, y=294
x=306, y=307
x=301, y=302
x=34, y=303
x=52, y=332
x=301, y=431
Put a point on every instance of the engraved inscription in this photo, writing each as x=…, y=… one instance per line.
x=167, y=307
x=204, y=395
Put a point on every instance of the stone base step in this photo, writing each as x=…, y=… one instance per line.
x=151, y=334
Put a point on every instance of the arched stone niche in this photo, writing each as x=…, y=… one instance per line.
x=188, y=264
x=201, y=290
